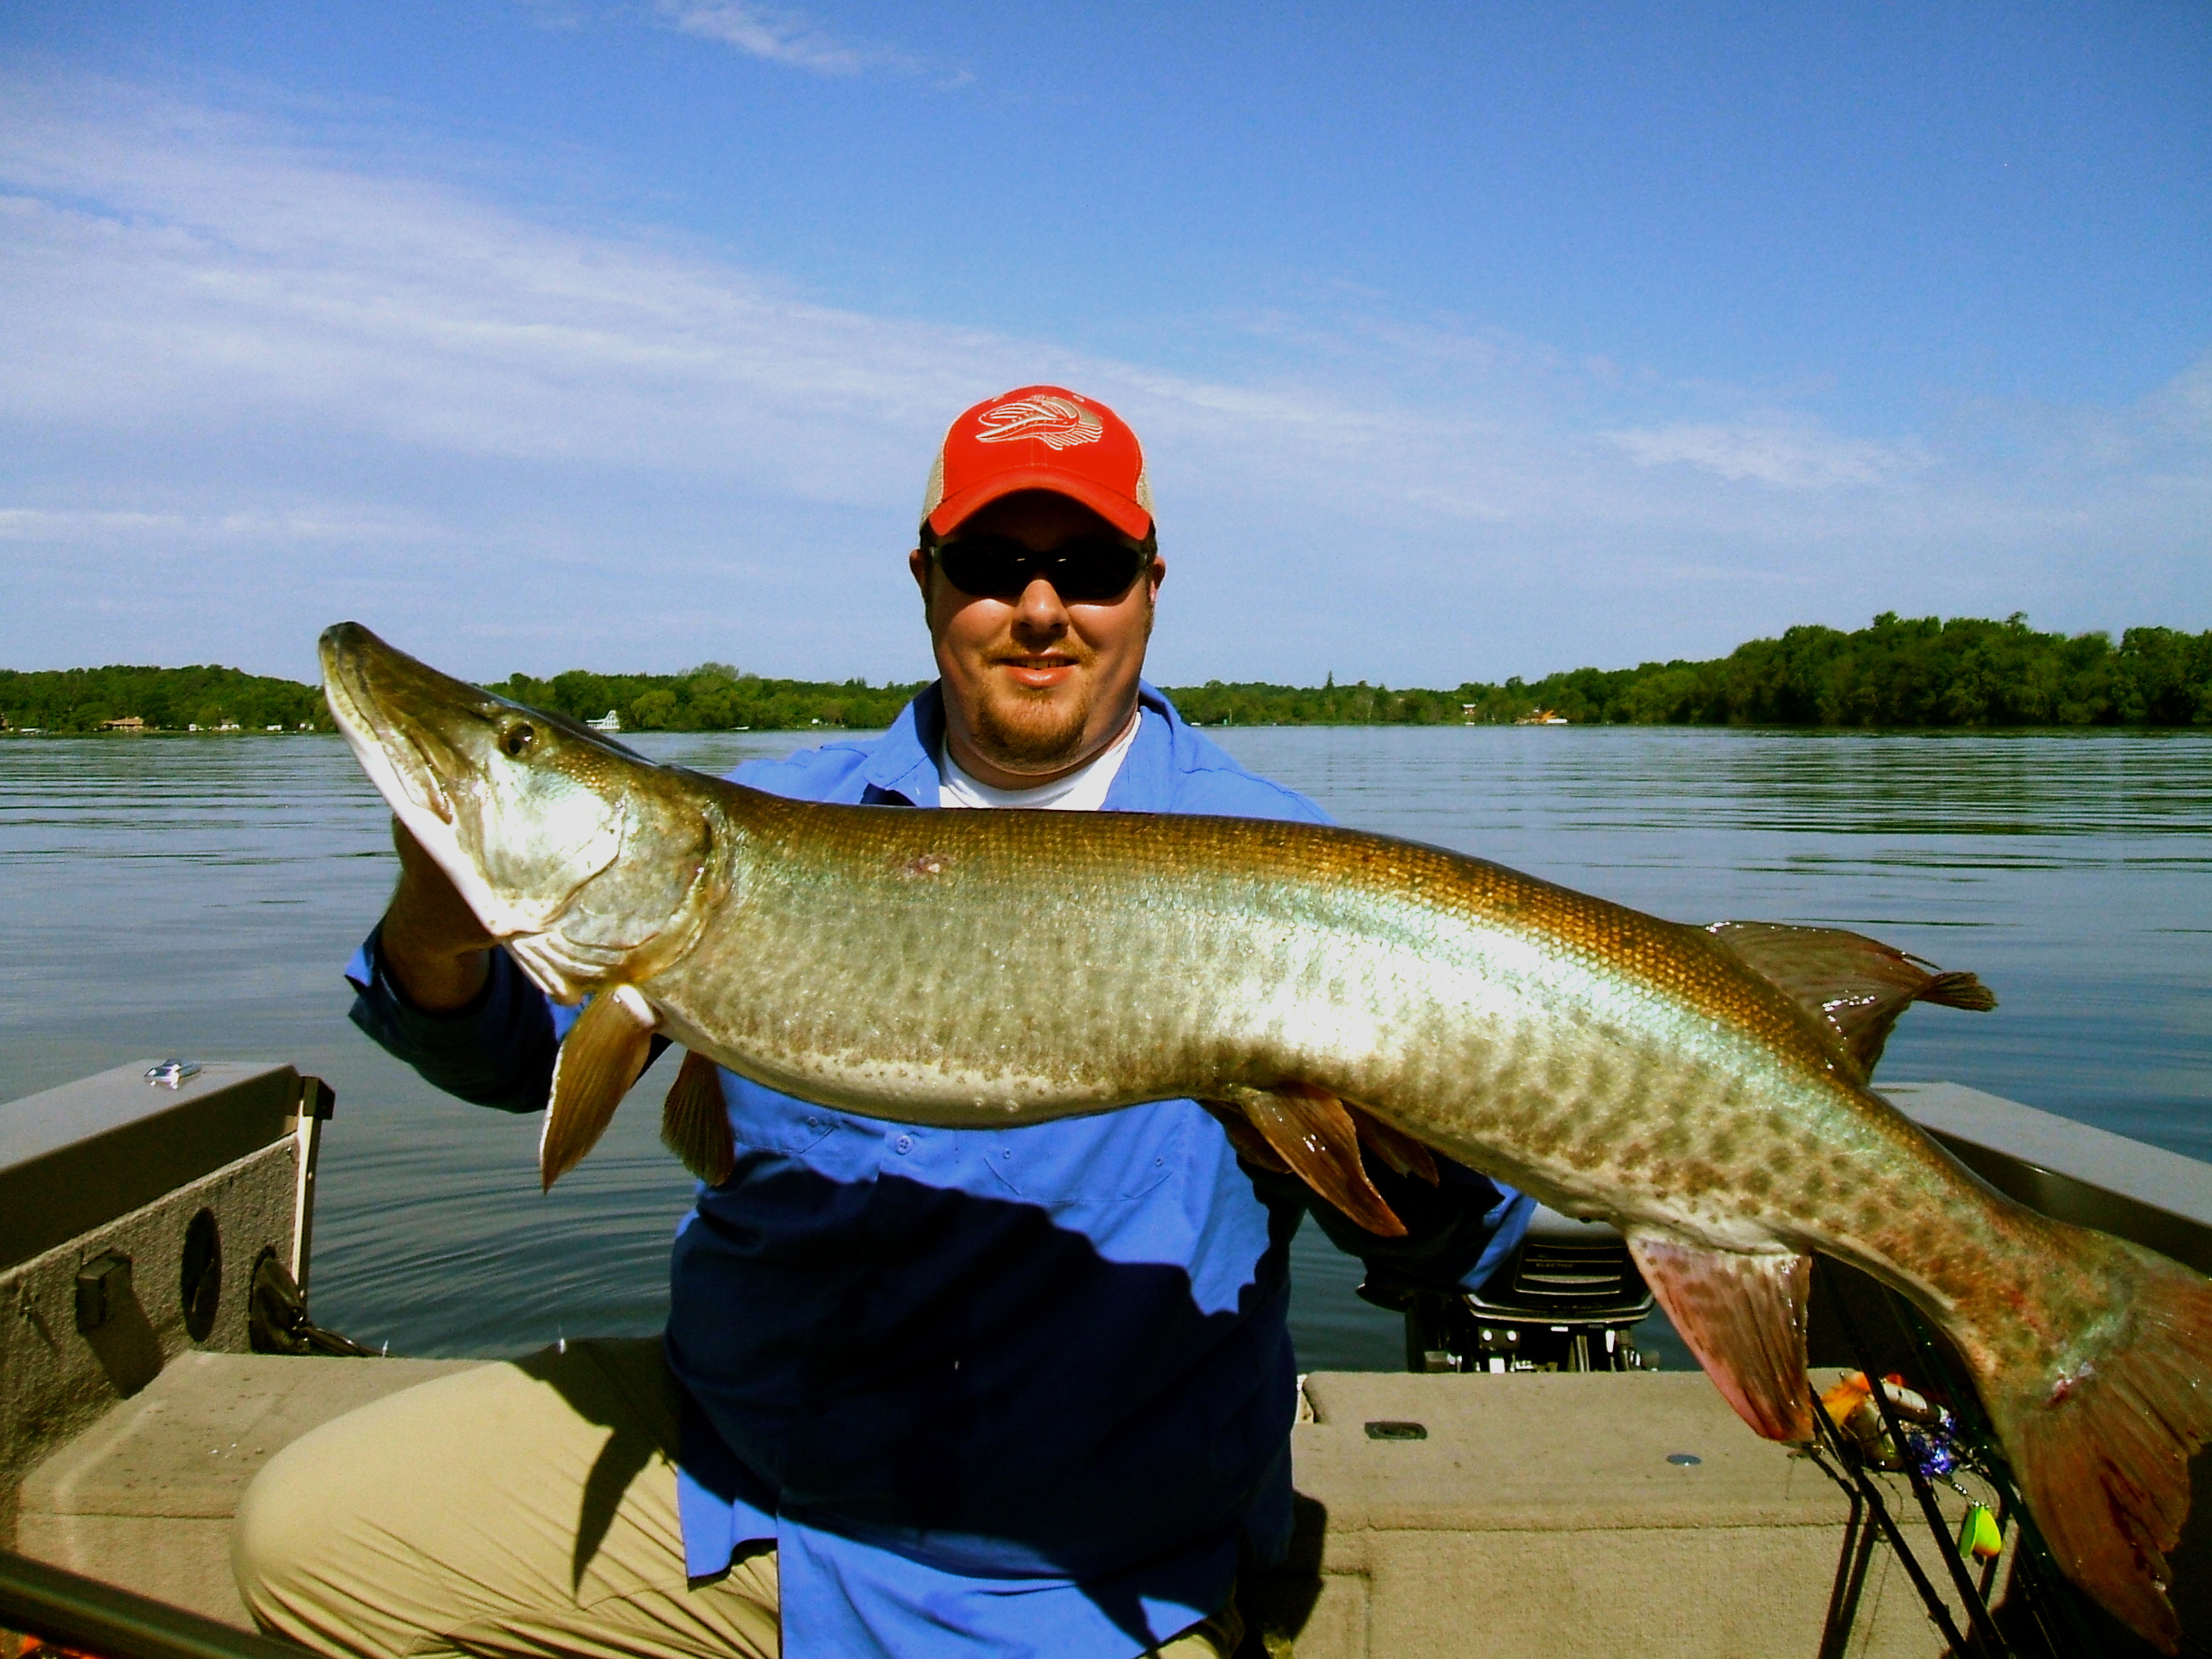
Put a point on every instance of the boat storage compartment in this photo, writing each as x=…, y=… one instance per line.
x=132, y=1212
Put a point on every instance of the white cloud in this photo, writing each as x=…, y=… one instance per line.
x=1738, y=574
x=24, y=524
x=1787, y=453
x=71, y=527
x=556, y=15
x=786, y=37
x=349, y=388
x=2185, y=405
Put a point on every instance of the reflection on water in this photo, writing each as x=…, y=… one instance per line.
x=198, y=896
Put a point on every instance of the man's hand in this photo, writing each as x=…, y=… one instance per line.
x=434, y=946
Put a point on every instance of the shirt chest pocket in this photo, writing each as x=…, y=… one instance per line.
x=1109, y=1159
x=774, y=1122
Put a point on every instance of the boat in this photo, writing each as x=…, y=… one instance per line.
x=1541, y=717
x=610, y=721
x=1525, y=1487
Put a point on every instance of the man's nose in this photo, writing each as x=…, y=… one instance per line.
x=1040, y=609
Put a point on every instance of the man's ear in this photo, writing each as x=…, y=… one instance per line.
x=918, y=563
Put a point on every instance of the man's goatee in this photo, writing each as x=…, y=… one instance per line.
x=1041, y=735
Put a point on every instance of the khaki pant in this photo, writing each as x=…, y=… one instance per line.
x=518, y=1509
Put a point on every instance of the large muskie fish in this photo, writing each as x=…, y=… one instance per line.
x=1705, y=1091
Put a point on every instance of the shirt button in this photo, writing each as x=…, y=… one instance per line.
x=903, y=1144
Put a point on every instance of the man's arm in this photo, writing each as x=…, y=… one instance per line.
x=438, y=954
x=435, y=992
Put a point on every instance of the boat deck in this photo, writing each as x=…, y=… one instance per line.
x=1528, y=1514
x=1536, y=1504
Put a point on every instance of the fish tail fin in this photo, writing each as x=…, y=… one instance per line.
x=2101, y=1444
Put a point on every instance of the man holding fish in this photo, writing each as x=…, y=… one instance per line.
x=924, y=1390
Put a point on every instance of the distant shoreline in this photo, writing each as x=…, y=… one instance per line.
x=824, y=733
x=1965, y=674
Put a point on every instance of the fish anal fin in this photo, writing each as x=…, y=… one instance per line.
x=1854, y=985
x=1249, y=1144
x=599, y=1059
x=1310, y=1131
x=1744, y=1318
x=1393, y=1144
x=695, y=1121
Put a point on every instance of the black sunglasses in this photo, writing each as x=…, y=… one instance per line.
x=1088, y=569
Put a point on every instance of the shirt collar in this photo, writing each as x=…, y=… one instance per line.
x=905, y=761
x=1146, y=782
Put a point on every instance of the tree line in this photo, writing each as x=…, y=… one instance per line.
x=76, y=700
x=1897, y=672
x=712, y=697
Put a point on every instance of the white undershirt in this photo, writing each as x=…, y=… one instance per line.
x=1083, y=790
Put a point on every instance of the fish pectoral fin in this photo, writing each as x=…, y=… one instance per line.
x=1854, y=985
x=602, y=1056
x=695, y=1121
x=1393, y=1144
x=1744, y=1318
x=1310, y=1131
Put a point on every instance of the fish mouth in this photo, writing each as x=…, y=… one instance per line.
x=391, y=747
x=423, y=738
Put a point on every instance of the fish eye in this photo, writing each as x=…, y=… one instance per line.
x=517, y=737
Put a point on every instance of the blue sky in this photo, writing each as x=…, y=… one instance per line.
x=1465, y=341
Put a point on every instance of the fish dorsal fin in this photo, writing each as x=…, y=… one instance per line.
x=1310, y=1131
x=695, y=1121
x=1854, y=985
x=1744, y=1318
x=602, y=1056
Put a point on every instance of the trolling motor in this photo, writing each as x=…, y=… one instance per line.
x=1565, y=1300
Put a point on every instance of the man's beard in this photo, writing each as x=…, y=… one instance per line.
x=1019, y=733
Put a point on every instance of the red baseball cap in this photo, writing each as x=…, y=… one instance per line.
x=1040, y=437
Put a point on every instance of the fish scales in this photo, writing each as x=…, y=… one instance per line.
x=877, y=964
x=996, y=968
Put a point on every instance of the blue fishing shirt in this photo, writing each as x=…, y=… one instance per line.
x=1003, y=1392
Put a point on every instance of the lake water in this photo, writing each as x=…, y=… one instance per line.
x=199, y=897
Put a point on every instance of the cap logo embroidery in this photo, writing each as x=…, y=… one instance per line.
x=1052, y=421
